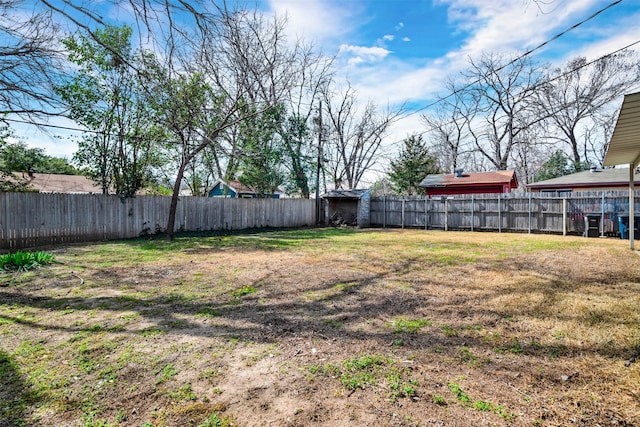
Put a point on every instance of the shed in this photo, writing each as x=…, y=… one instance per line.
x=591, y=180
x=470, y=183
x=348, y=207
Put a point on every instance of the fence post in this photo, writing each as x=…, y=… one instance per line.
x=473, y=211
x=564, y=216
x=446, y=214
x=499, y=213
x=602, y=216
x=426, y=215
x=384, y=211
x=402, y=213
x=632, y=206
x=529, y=213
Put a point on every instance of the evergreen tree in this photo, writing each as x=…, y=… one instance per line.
x=556, y=166
x=412, y=165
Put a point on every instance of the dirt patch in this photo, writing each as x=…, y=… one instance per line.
x=370, y=328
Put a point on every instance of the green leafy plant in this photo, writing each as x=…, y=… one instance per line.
x=449, y=331
x=459, y=393
x=208, y=312
x=216, y=421
x=370, y=370
x=245, y=290
x=513, y=347
x=410, y=326
x=481, y=405
x=167, y=373
x=467, y=356
x=478, y=405
x=183, y=393
x=23, y=261
x=438, y=399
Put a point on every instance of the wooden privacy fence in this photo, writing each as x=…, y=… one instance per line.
x=37, y=219
x=531, y=212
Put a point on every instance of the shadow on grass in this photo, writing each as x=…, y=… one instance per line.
x=262, y=238
x=265, y=316
x=16, y=396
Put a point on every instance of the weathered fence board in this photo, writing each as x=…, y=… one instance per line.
x=37, y=219
x=531, y=212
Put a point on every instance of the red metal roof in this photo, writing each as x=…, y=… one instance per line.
x=470, y=183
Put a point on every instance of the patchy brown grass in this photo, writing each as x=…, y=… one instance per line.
x=325, y=327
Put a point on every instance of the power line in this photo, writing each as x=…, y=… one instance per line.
x=438, y=100
x=518, y=58
x=573, y=70
x=51, y=126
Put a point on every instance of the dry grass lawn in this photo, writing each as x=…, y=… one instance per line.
x=325, y=327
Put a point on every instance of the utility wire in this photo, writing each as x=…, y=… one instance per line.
x=5, y=119
x=518, y=58
x=440, y=99
x=544, y=82
x=573, y=70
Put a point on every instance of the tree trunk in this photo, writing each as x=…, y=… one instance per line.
x=174, y=202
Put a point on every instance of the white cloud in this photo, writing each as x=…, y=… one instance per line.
x=503, y=27
x=388, y=37
x=406, y=39
x=614, y=37
x=316, y=20
x=362, y=54
x=399, y=26
x=507, y=26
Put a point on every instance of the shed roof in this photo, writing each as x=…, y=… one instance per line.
x=471, y=179
x=624, y=146
x=345, y=194
x=618, y=177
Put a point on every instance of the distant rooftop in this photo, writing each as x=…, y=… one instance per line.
x=345, y=194
x=598, y=178
x=470, y=182
x=58, y=183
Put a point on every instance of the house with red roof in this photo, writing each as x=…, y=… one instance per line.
x=462, y=182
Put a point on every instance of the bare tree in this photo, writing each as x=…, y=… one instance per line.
x=29, y=60
x=353, y=137
x=300, y=139
x=529, y=158
x=503, y=98
x=447, y=128
x=577, y=97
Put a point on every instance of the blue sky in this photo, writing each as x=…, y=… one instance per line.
x=396, y=51
x=405, y=48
